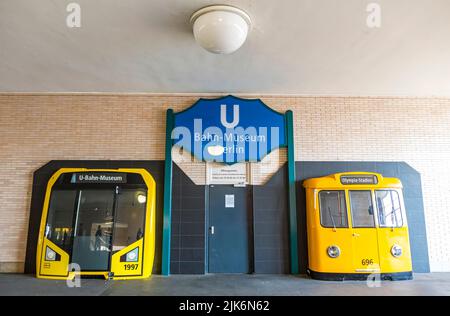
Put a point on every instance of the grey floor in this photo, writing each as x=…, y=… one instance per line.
x=229, y=285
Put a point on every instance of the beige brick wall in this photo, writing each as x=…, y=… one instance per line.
x=37, y=128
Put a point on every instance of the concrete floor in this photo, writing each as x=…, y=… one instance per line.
x=229, y=285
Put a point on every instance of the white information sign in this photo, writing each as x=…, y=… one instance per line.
x=227, y=174
x=229, y=200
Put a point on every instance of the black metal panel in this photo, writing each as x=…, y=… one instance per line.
x=187, y=255
x=43, y=174
x=271, y=225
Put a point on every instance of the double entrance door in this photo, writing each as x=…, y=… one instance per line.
x=230, y=231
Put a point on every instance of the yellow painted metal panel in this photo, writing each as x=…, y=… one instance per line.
x=53, y=268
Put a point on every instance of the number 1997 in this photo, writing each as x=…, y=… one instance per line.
x=131, y=266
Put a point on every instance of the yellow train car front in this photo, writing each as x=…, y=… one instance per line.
x=97, y=222
x=357, y=227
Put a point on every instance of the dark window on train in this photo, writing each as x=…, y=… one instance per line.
x=333, y=210
x=59, y=227
x=130, y=218
x=93, y=224
x=389, y=209
x=362, y=209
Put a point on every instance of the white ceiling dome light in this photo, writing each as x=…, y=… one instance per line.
x=220, y=29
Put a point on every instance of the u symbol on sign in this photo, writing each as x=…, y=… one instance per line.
x=223, y=116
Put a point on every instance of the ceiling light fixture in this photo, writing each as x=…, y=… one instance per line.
x=220, y=29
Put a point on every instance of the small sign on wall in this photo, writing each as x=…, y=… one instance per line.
x=229, y=200
x=236, y=174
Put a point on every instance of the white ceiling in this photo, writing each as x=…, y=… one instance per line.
x=295, y=47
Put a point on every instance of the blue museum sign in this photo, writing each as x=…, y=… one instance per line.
x=229, y=130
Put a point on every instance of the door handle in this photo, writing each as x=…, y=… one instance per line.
x=212, y=230
x=356, y=235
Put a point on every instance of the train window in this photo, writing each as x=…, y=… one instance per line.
x=389, y=210
x=333, y=211
x=130, y=217
x=362, y=209
x=93, y=225
x=60, y=217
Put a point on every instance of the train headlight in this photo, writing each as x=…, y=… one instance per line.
x=50, y=255
x=141, y=198
x=396, y=251
x=333, y=251
x=133, y=255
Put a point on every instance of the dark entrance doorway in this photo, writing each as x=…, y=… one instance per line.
x=230, y=229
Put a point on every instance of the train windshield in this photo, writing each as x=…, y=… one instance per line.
x=93, y=229
x=333, y=211
x=59, y=228
x=362, y=209
x=389, y=209
x=90, y=224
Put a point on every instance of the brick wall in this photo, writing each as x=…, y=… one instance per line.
x=37, y=128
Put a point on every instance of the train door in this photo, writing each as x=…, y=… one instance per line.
x=393, y=237
x=92, y=239
x=128, y=233
x=333, y=232
x=364, y=232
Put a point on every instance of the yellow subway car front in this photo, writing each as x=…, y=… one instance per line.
x=357, y=227
x=97, y=222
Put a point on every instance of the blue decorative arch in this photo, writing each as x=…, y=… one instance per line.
x=257, y=129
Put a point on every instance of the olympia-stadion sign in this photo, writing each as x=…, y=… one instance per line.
x=229, y=130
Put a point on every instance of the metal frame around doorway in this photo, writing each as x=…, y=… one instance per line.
x=291, y=185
